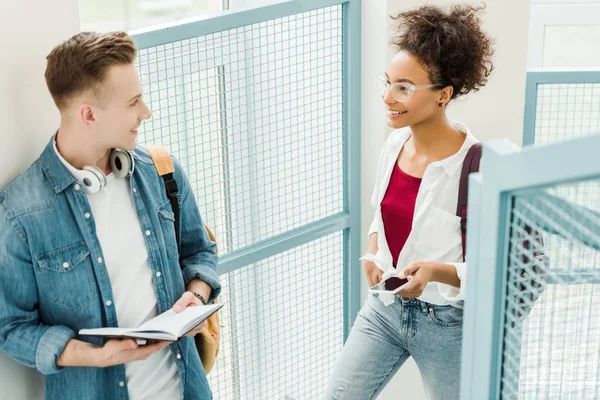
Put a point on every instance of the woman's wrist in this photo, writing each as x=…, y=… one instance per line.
x=444, y=273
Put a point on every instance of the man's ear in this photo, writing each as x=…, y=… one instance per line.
x=87, y=113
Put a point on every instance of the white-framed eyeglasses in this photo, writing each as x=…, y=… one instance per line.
x=400, y=91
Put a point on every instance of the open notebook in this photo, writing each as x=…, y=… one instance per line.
x=168, y=326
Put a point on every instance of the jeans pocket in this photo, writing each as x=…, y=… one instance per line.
x=446, y=316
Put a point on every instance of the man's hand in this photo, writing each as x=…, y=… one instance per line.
x=188, y=299
x=114, y=352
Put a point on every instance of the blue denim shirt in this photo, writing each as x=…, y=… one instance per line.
x=43, y=304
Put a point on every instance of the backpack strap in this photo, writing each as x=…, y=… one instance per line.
x=165, y=167
x=208, y=341
x=470, y=165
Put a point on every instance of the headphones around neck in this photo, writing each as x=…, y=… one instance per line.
x=121, y=163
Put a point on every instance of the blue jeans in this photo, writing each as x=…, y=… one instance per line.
x=384, y=337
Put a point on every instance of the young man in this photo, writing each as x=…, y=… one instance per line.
x=88, y=240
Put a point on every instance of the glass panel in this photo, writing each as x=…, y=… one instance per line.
x=113, y=15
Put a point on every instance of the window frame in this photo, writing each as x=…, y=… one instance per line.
x=556, y=13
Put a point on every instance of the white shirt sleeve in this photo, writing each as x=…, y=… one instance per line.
x=381, y=166
x=375, y=225
x=452, y=293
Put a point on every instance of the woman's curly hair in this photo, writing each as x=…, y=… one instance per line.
x=450, y=45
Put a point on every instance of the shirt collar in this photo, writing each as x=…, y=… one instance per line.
x=56, y=172
x=78, y=174
x=454, y=162
x=449, y=164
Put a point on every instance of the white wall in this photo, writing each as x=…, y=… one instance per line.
x=27, y=118
x=495, y=111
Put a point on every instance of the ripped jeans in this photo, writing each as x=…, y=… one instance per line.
x=384, y=337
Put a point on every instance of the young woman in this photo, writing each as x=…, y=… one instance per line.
x=415, y=232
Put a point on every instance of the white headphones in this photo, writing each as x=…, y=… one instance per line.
x=93, y=179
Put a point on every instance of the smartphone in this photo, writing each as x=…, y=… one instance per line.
x=391, y=285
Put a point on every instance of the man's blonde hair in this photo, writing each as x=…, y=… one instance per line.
x=81, y=63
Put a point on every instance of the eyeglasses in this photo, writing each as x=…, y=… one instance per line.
x=400, y=91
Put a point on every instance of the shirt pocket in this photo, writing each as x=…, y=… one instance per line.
x=167, y=224
x=68, y=276
x=440, y=237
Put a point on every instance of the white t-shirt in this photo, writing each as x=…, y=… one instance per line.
x=126, y=260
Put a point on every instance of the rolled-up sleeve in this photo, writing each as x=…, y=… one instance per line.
x=198, y=253
x=375, y=225
x=452, y=293
x=23, y=337
x=50, y=347
x=384, y=155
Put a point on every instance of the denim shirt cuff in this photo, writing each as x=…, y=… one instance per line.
x=206, y=274
x=51, y=346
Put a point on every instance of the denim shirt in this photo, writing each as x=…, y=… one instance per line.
x=53, y=281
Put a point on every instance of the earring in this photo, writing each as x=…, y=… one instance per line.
x=441, y=104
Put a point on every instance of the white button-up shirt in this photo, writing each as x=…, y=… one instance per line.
x=435, y=234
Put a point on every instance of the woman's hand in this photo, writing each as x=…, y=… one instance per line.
x=422, y=273
x=372, y=272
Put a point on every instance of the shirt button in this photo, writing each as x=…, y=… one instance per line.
x=158, y=274
x=179, y=356
x=121, y=384
x=134, y=190
x=87, y=215
x=108, y=303
x=77, y=187
x=147, y=233
x=100, y=260
x=66, y=265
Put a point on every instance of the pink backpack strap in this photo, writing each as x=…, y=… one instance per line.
x=470, y=165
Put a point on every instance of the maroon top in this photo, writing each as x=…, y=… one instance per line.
x=397, y=209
